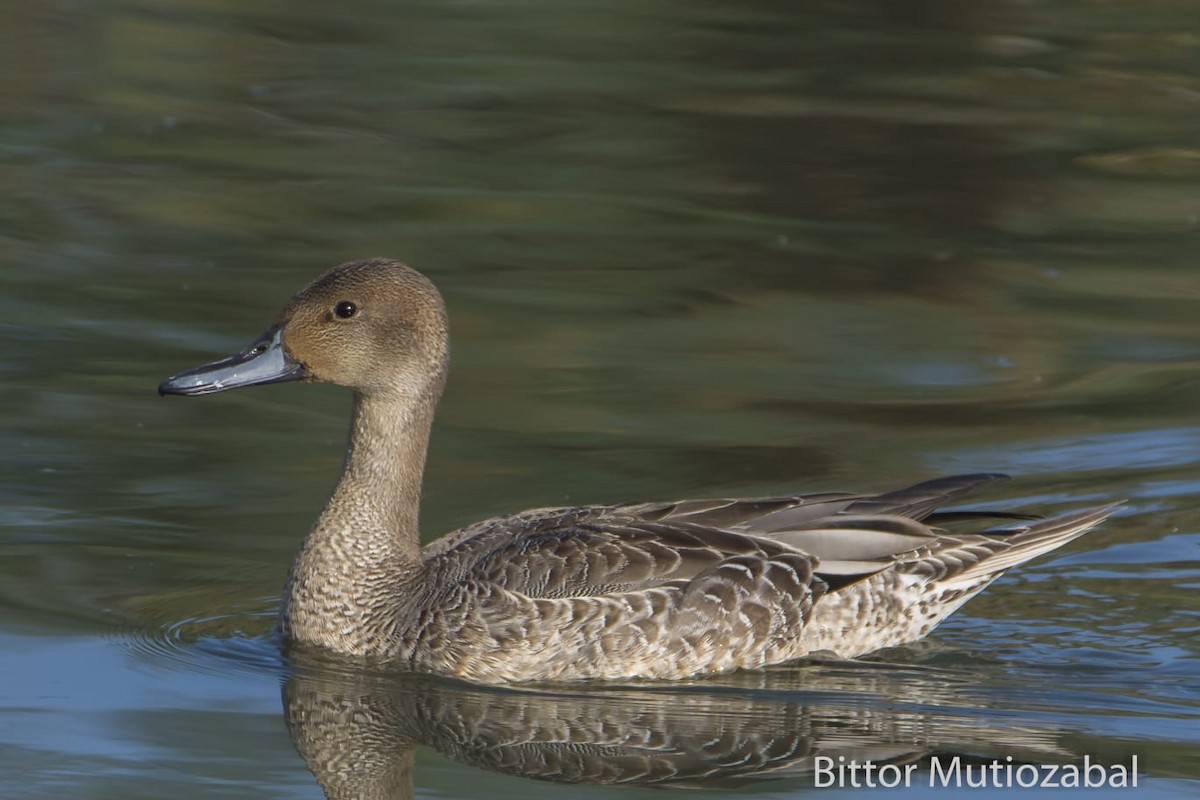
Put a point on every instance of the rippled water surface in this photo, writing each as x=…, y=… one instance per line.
x=688, y=249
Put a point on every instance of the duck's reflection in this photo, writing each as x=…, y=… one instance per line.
x=357, y=732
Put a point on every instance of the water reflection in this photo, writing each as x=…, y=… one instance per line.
x=689, y=248
x=358, y=732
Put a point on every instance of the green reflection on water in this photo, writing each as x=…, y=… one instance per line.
x=687, y=250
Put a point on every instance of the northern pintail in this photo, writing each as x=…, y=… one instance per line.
x=647, y=590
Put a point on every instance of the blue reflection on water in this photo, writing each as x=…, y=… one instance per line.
x=1134, y=450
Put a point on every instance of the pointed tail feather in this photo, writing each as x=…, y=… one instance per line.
x=1017, y=544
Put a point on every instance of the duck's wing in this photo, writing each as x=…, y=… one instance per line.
x=856, y=536
x=591, y=550
x=775, y=514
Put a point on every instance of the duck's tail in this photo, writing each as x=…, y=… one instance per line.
x=968, y=558
x=907, y=599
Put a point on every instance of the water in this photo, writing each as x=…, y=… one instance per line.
x=688, y=249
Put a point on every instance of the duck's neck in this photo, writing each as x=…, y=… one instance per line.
x=362, y=557
x=378, y=499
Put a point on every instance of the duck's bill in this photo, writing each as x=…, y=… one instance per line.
x=265, y=361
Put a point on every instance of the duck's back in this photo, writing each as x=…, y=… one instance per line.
x=667, y=590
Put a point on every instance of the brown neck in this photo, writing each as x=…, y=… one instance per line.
x=362, y=558
x=377, y=501
x=360, y=566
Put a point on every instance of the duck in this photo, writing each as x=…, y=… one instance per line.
x=643, y=590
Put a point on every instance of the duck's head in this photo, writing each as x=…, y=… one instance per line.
x=376, y=327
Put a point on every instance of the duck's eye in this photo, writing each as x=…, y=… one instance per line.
x=345, y=309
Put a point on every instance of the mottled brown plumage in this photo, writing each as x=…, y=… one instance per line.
x=653, y=590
